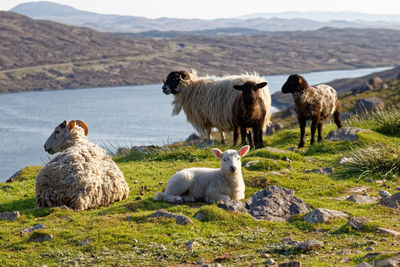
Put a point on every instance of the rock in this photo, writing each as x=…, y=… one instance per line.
x=369, y=249
x=275, y=150
x=290, y=264
x=33, y=228
x=191, y=245
x=344, y=260
x=192, y=137
x=362, y=88
x=291, y=112
x=273, y=128
x=364, y=264
x=357, y=223
x=346, y=115
x=287, y=159
x=200, y=216
x=384, y=194
x=270, y=262
x=309, y=245
x=65, y=207
x=123, y=151
x=383, y=239
x=385, y=86
x=212, y=265
x=344, y=134
x=265, y=255
x=288, y=241
x=388, y=262
x=275, y=203
x=232, y=205
x=362, y=199
x=387, y=231
x=253, y=162
x=392, y=202
x=84, y=242
x=375, y=82
x=358, y=190
x=321, y=215
x=13, y=177
x=369, y=104
x=40, y=237
x=326, y=170
x=9, y=216
x=180, y=219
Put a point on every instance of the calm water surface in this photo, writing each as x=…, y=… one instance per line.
x=118, y=116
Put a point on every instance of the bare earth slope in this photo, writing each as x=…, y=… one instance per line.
x=43, y=55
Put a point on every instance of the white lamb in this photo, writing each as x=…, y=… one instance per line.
x=207, y=184
x=207, y=101
x=82, y=176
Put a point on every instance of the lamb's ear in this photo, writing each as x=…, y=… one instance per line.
x=217, y=153
x=238, y=87
x=261, y=85
x=243, y=151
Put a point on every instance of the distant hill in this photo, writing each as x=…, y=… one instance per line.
x=134, y=24
x=45, y=55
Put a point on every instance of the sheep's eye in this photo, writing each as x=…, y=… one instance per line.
x=224, y=159
x=57, y=132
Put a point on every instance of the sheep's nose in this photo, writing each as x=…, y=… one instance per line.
x=232, y=169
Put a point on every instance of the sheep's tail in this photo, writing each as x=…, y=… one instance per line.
x=159, y=196
x=337, y=114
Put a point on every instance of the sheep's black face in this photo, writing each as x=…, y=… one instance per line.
x=295, y=83
x=249, y=91
x=173, y=80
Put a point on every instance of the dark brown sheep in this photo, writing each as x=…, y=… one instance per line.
x=249, y=111
x=315, y=103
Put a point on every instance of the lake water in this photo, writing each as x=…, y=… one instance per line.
x=118, y=116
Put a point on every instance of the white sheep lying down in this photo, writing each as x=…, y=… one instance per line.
x=82, y=176
x=208, y=184
x=207, y=101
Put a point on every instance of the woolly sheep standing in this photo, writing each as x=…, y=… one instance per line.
x=314, y=103
x=207, y=184
x=207, y=101
x=249, y=112
x=82, y=176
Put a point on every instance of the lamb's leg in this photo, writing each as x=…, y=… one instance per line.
x=222, y=134
x=172, y=198
x=214, y=197
x=319, y=131
x=302, y=122
x=314, y=123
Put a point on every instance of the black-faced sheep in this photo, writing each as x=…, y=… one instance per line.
x=207, y=101
x=82, y=176
x=248, y=113
x=207, y=184
x=315, y=103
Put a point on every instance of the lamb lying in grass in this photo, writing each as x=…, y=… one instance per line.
x=207, y=184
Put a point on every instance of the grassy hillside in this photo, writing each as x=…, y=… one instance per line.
x=122, y=233
x=44, y=55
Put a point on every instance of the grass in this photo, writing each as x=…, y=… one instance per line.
x=122, y=233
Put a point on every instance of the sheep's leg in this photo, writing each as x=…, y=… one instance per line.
x=319, y=131
x=222, y=134
x=250, y=139
x=302, y=122
x=314, y=123
x=243, y=134
x=258, y=137
x=236, y=130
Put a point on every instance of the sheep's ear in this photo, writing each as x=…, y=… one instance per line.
x=71, y=125
x=243, y=151
x=261, y=85
x=238, y=87
x=217, y=153
x=63, y=124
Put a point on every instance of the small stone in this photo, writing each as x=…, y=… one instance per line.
x=344, y=134
x=327, y=171
x=250, y=163
x=309, y=245
x=212, y=265
x=370, y=180
x=191, y=245
x=392, y=201
x=65, y=207
x=344, y=160
x=322, y=215
x=384, y=194
x=364, y=264
x=232, y=205
x=358, y=190
x=388, y=262
x=383, y=239
x=362, y=199
x=33, y=228
x=287, y=159
x=265, y=255
x=344, y=251
x=290, y=264
x=369, y=249
x=288, y=241
x=180, y=219
x=388, y=231
x=102, y=213
x=200, y=261
x=84, y=242
x=9, y=216
x=345, y=259
x=136, y=181
x=41, y=237
x=357, y=223
x=200, y=216
x=270, y=261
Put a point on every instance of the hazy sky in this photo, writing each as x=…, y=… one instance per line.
x=208, y=9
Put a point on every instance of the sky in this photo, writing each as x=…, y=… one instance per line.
x=209, y=9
